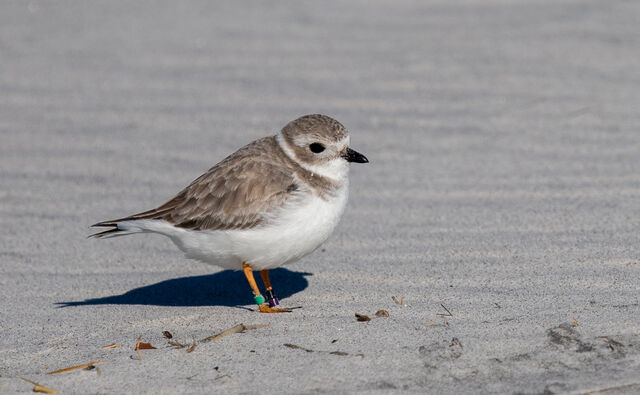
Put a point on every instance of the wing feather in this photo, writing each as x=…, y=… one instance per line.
x=236, y=193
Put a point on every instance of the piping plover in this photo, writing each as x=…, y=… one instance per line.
x=268, y=204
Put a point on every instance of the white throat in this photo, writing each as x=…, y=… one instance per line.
x=335, y=169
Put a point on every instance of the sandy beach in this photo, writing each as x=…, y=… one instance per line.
x=501, y=204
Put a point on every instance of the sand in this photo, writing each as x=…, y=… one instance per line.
x=502, y=200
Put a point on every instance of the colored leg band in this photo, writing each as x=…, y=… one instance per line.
x=259, y=299
x=271, y=298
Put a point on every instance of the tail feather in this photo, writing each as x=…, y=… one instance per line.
x=136, y=223
x=111, y=223
x=112, y=232
x=116, y=228
x=131, y=226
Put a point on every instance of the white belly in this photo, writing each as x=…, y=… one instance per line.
x=296, y=230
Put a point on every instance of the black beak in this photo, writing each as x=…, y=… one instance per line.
x=355, y=156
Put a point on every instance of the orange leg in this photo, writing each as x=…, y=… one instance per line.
x=264, y=307
x=271, y=297
x=248, y=272
x=265, y=279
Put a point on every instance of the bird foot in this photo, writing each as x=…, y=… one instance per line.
x=264, y=308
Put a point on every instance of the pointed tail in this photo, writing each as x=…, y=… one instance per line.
x=114, y=229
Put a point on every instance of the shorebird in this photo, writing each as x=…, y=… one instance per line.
x=268, y=204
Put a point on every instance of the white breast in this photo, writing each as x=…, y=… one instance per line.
x=292, y=232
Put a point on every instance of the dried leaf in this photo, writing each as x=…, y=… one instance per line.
x=114, y=345
x=144, y=346
x=382, y=313
x=167, y=334
x=40, y=388
x=575, y=322
x=362, y=318
x=84, y=365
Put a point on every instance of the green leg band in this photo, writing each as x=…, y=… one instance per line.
x=259, y=299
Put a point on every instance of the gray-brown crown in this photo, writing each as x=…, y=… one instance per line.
x=315, y=125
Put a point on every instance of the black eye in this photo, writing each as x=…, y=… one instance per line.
x=316, y=148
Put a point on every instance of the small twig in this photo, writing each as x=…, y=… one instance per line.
x=340, y=353
x=84, y=365
x=235, y=329
x=114, y=345
x=398, y=302
x=39, y=388
x=288, y=345
x=138, y=347
x=447, y=310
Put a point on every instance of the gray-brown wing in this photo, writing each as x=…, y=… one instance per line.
x=231, y=197
x=234, y=194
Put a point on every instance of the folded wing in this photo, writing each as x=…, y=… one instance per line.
x=236, y=193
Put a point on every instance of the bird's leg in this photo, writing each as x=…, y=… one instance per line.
x=248, y=272
x=271, y=297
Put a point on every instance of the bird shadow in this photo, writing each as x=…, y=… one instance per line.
x=226, y=288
